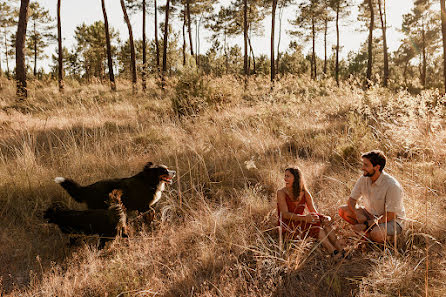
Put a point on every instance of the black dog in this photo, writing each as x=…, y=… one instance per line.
x=139, y=191
x=107, y=223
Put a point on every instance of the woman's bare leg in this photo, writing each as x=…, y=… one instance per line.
x=323, y=238
x=337, y=243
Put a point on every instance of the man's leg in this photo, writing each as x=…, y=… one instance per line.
x=351, y=217
x=383, y=231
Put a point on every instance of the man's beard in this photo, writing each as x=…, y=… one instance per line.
x=370, y=174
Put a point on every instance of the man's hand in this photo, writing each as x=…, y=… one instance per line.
x=312, y=218
x=324, y=219
x=360, y=217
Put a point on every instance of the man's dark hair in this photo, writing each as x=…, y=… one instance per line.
x=376, y=157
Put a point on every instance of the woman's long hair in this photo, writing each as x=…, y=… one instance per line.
x=298, y=183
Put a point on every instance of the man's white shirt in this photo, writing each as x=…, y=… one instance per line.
x=384, y=195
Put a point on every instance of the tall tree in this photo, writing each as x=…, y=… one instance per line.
x=273, y=29
x=156, y=39
x=60, y=49
x=89, y=49
x=144, y=58
x=111, y=75
x=41, y=32
x=370, y=42
x=405, y=53
x=308, y=20
x=245, y=37
x=184, y=37
x=421, y=27
x=220, y=26
x=229, y=22
x=166, y=33
x=20, y=50
x=189, y=26
x=341, y=11
x=326, y=17
x=383, y=18
x=132, y=46
x=7, y=21
x=443, y=32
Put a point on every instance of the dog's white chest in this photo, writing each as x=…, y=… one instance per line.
x=158, y=193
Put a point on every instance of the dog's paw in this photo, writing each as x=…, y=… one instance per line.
x=59, y=180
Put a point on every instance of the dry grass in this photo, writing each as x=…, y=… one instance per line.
x=214, y=230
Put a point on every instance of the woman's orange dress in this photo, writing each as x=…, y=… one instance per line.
x=297, y=229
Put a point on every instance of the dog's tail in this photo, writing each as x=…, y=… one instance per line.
x=72, y=187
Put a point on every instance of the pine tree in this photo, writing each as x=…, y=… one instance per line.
x=421, y=27
x=40, y=33
x=383, y=19
x=132, y=47
x=60, y=72
x=443, y=33
x=308, y=23
x=22, y=92
x=108, y=45
x=341, y=11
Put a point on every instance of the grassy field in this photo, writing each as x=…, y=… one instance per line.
x=214, y=231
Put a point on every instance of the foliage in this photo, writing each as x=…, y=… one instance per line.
x=195, y=93
x=213, y=232
x=40, y=34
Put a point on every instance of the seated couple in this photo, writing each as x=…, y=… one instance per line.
x=380, y=218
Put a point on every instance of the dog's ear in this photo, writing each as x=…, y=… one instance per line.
x=148, y=165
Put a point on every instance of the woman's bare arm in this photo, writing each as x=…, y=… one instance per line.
x=310, y=203
x=283, y=208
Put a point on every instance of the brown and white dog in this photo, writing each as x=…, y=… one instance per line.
x=139, y=192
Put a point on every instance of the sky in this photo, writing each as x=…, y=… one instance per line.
x=74, y=13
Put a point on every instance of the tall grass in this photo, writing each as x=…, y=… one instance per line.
x=214, y=232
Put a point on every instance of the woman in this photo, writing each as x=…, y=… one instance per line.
x=291, y=202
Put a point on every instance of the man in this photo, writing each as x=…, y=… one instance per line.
x=383, y=212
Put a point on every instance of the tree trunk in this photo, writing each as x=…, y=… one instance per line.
x=325, y=44
x=198, y=40
x=424, y=60
x=443, y=32
x=280, y=37
x=245, y=36
x=35, y=49
x=252, y=53
x=144, y=59
x=6, y=53
x=184, y=39
x=226, y=54
x=406, y=65
x=273, y=28
x=370, y=45
x=22, y=92
x=313, y=55
x=132, y=47
x=189, y=27
x=337, y=43
x=382, y=15
x=166, y=32
x=157, y=48
x=109, y=56
x=59, y=44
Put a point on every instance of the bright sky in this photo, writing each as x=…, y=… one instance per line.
x=74, y=13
